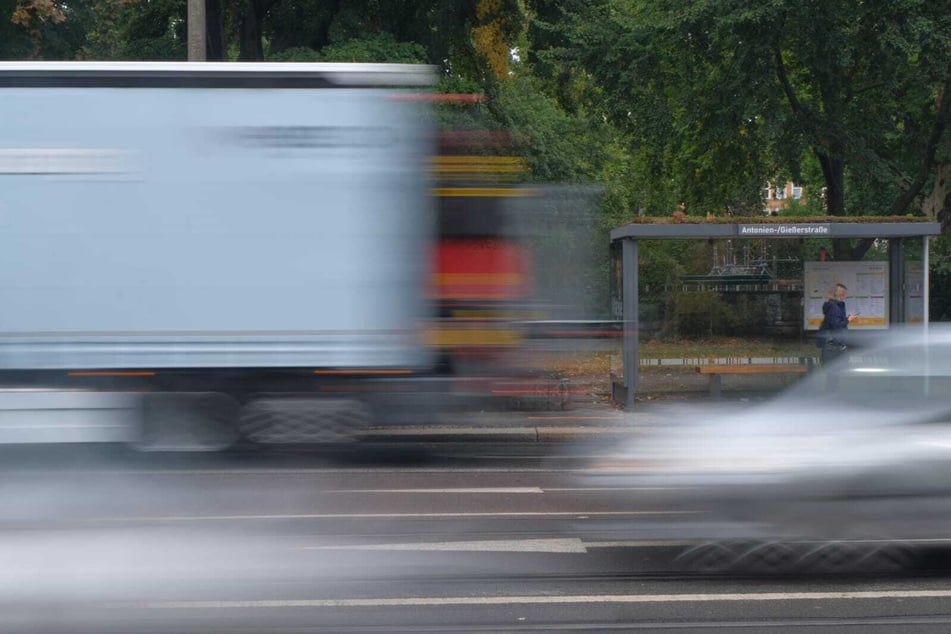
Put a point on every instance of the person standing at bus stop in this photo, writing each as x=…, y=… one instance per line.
x=835, y=321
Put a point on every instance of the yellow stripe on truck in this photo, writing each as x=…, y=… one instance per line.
x=460, y=337
x=479, y=164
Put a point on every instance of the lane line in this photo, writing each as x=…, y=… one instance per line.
x=463, y=490
x=335, y=516
x=509, y=490
x=305, y=471
x=548, y=600
x=554, y=545
x=639, y=543
x=580, y=470
x=582, y=489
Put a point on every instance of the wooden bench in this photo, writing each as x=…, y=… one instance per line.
x=715, y=371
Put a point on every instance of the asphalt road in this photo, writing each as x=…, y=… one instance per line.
x=407, y=538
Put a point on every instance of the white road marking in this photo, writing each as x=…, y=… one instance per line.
x=569, y=545
x=634, y=543
x=509, y=490
x=303, y=471
x=548, y=600
x=308, y=516
x=463, y=490
x=637, y=543
x=583, y=489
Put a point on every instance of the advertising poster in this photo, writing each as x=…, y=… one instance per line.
x=867, y=284
x=914, y=292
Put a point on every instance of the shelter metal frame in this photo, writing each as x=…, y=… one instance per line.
x=628, y=236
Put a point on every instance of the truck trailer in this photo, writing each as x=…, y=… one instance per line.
x=196, y=254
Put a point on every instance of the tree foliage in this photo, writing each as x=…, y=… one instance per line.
x=722, y=95
x=665, y=104
x=376, y=48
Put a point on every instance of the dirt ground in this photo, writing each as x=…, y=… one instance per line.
x=589, y=377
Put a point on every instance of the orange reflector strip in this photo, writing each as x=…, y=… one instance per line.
x=360, y=372
x=107, y=373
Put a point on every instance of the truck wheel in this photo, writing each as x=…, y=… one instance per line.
x=303, y=420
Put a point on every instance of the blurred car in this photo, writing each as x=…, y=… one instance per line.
x=857, y=450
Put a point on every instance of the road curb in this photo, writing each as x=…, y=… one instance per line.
x=495, y=434
x=562, y=434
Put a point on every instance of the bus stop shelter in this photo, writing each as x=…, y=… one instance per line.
x=896, y=233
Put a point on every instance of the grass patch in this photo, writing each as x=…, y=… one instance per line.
x=578, y=364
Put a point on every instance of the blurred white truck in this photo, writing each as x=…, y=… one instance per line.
x=196, y=253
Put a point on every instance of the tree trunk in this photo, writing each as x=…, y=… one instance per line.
x=928, y=162
x=215, y=29
x=833, y=171
x=251, y=46
x=197, y=31
x=935, y=203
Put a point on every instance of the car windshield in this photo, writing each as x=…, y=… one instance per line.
x=907, y=375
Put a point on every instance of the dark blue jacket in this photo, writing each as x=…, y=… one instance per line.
x=835, y=317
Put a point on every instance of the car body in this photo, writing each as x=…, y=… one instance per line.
x=860, y=449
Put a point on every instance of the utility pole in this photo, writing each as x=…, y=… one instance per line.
x=197, y=49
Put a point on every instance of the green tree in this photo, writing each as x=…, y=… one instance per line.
x=143, y=30
x=42, y=29
x=468, y=38
x=719, y=96
x=378, y=48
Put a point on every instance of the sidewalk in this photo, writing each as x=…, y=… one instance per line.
x=589, y=423
x=591, y=415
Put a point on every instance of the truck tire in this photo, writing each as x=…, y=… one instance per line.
x=303, y=420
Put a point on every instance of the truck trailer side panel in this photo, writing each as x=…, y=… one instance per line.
x=211, y=227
